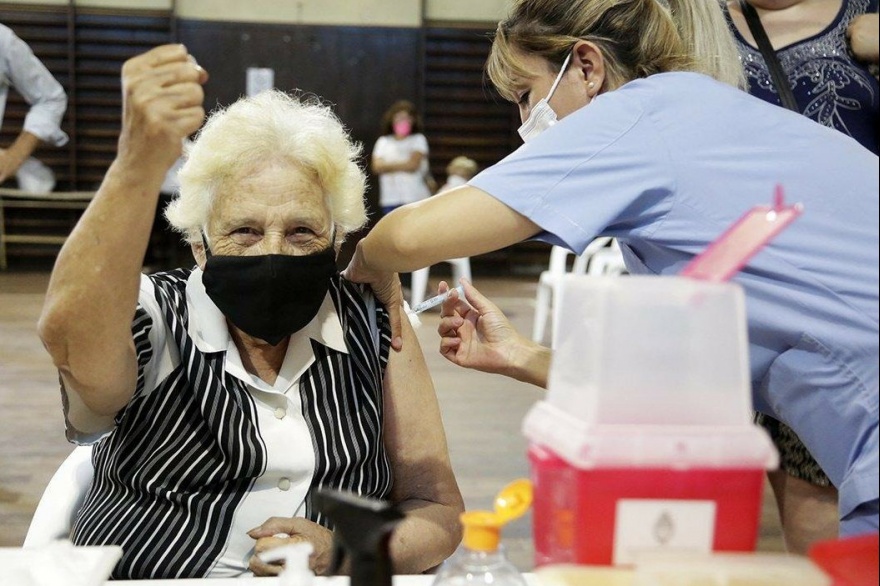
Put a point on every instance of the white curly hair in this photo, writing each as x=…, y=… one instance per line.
x=269, y=126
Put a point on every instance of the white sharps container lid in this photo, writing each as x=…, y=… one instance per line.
x=650, y=371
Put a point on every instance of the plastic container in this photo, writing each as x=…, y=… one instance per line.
x=481, y=558
x=645, y=441
x=296, y=563
x=851, y=561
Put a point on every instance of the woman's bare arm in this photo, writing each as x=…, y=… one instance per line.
x=86, y=319
x=425, y=488
x=464, y=221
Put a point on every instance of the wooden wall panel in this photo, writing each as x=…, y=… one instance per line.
x=463, y=113
x=361, y=70
x=103, y=42
x=84, y=49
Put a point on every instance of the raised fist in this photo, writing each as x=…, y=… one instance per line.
x=161, y=105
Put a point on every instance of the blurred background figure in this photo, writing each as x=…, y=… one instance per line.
x=458, y=172
x=171, y=183
x=400, y=158
x=20, y=69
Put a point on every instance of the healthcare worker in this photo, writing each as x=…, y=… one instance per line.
x=826, y=52
x=626, y=136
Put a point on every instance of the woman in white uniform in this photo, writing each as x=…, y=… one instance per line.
x=400, y=158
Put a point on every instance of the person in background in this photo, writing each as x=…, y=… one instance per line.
x=21, y=70
x=220, y=398
x=628, y=135
x=459, y=171
x=400, y=158
x=825, y=49
x=863, y=39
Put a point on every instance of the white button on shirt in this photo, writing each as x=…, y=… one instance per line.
x=280, y=413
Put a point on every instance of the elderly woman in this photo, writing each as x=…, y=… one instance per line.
x=221, y=397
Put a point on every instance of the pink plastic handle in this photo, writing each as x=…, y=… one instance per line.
x=728, y=253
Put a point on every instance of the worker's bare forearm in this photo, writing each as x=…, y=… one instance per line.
x=530, y=363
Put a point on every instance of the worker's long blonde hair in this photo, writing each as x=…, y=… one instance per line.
x=637, y=37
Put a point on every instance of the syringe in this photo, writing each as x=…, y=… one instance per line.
x=437, y=300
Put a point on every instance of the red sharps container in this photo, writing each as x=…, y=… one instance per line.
x=645, y=441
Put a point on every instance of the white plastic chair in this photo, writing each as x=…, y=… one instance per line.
x=461, y=267
x=551, y=279
x=62, y=499
x=607, y=261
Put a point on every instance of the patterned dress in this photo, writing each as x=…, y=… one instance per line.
x=829, y=84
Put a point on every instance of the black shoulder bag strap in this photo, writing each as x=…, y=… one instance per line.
x=776, y=72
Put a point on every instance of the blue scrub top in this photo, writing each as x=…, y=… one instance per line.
x=666, y=164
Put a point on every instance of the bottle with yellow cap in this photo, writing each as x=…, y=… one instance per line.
x=481, y=558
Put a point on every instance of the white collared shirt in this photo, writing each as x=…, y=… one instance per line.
x=281, y=490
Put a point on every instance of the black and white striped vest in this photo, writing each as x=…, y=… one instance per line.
x=170, y=476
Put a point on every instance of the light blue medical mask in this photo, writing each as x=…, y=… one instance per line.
x=542, y=115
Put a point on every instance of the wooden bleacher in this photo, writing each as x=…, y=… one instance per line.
x=56, y=200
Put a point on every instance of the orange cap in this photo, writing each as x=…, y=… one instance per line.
x=482, y=530
x=514, y=500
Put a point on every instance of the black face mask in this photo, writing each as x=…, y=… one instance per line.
x=269, y=296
